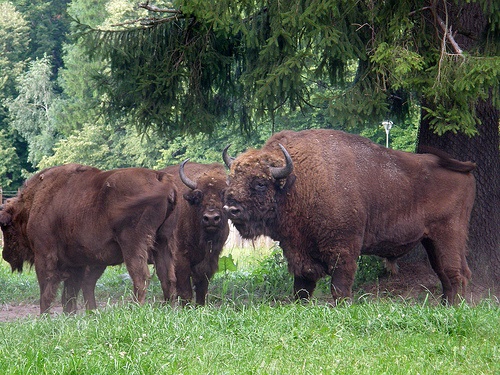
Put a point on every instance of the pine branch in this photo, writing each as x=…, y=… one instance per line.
x=147, y=21
x=447, y=32
x=154, y=8
x=174, y=15
x=449, y=36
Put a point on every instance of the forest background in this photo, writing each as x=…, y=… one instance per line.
x=112, y=84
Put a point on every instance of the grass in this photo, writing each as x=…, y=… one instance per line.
x=248, y=327
x=372, y=338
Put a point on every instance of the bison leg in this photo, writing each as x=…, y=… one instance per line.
x=135, y=246
x=164, y=270
x=92, y=274
x=303, y=288
x=343, y=272
x=48, y=281
x=201, y=289
x=71, y=288
x=450, y=265
x=139, y=273
x=184, y=289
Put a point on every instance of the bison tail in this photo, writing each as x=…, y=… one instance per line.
x=446, y=161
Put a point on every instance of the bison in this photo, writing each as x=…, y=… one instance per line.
x=200, y=232
x=330, y=196
x=72, y=221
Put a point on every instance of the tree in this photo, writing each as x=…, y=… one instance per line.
x=28, y=30
x=182, y=68
x=104, y=146
x=14, y=40
x=10, y=171
x=49, y=26
x=31, y=111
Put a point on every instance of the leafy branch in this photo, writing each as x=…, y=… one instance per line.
x=173, y=15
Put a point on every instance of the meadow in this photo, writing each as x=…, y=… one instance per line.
x=249, y=326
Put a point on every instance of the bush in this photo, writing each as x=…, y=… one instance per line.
x=270, y=279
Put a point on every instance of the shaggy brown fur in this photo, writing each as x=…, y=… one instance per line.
x=200, y=233
x=72, y=221
x=348, y=196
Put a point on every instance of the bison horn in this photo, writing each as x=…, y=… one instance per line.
x=283, y=172
x=228, y=160
x=185, y=179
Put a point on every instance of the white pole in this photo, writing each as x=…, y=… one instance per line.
x=387, y=126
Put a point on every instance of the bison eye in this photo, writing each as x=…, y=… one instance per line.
x=260, y=185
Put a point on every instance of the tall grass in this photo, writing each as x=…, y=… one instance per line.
x=250, y=326
x=371, y=338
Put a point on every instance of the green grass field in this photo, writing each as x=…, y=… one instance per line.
x=249, y=326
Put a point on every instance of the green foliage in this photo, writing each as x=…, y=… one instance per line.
x=218, y=67
x=49, y=27
x=402, y=136
x=268, y=280
x=370, y=269
x=460, y=82
x=29, y=30
x=106, y=147
x=94, y=12
x=79, y=103
x=10, y=170
x=30, y=111
x=226, y=264
x=173, y=85
x=233, y=67
x=396, y=64
x=14, y=40
x=245, y=61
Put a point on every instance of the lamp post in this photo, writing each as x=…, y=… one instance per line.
x=387, y=126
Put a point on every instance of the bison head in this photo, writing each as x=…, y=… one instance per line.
x=257, y=180
x=16, y=249
x=206, y=196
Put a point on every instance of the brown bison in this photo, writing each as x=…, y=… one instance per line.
x=329, y=196
x=72, y=221
x=201, y=229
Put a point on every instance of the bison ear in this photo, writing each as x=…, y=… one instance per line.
x=287, y=183
x=194, y=197
x=172, y=197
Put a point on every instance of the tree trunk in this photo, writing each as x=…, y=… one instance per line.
x=483, y=149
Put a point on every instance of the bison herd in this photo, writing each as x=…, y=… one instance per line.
x=325, y=195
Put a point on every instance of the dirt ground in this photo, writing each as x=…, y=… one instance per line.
x=416, y=281
x=10, y=313
x=410, y=283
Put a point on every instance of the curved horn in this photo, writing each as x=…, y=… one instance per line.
x=228, y=160
x=185, y=179
x=283, y=172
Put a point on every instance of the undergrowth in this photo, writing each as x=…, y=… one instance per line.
x=267, y=279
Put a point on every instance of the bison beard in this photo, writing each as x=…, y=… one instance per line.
x=251, y=223
x=72, y=221
x=330, y=196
